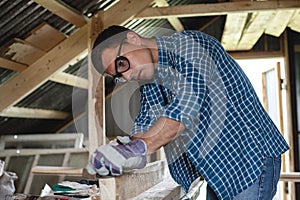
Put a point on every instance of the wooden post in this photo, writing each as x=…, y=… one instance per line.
x=289, y=125
x=96, y=100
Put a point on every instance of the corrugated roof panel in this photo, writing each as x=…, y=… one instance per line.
x=6, y=75
x=49, y=96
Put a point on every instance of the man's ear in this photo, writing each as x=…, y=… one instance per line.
x=133, y=38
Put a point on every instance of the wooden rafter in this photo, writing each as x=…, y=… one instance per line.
x=12, y=65
x=69, y=79
x=60, y=77
x=18, y=112
x=193, y=10
x=63, y=11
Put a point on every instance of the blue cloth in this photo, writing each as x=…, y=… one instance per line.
x=228, y=133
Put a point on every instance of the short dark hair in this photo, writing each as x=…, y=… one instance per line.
x=108, y=38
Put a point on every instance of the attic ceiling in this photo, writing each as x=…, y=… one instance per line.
x=43, y=46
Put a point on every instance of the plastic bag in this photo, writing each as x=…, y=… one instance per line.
x=7, y=187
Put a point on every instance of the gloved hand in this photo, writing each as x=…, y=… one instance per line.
x=119, y=156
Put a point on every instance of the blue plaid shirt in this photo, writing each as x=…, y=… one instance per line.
x=228, y=133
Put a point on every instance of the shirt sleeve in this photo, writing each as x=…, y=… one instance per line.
x=151, y=108
x=190, y=78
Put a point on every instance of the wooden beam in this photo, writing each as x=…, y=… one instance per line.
x=174, y=21
x=12, y=65
x=69, y=79
x=279, y=22
x=54, y=170
x=290, y=176
x=234, y=26
x=33, y=113
x=76, y=139
x=60, y=77
x=212, y=9
x=62, y=10
x=28, y=152
x=165, y=190
x=96, y=102
x=57, y=59
x=45, y=37
x=256, y=54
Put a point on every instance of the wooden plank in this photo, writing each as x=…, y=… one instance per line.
x=294, y=23
x=96, y=123
x=28, y=152
x=69, y=79
x=256, y=55
x=60, y=77
x=254, y=29
x=119, y=188
x=289, y=111
x=12, y=65
x=279, y=22
x=290, y=176
x=30, y=176
x=75, y=138
x=212, y=9
x=72, y=49
x=264, y=91
x=234, y=26
x=22, y=52
x=45, y=37
x=65, y=164
x=64, y=11
x=168, y=189
x=33, y=113
x=53, y=170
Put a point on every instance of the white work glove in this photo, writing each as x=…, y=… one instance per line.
x=119, y=156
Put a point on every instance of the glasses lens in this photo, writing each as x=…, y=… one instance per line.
x=122, y=64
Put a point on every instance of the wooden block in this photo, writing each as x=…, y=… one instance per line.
x=45, y=37
x=168, y=189
x=132, y=184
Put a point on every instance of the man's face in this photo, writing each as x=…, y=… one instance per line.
x=136, y=58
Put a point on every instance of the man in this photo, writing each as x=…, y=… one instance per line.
x=199, y=105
